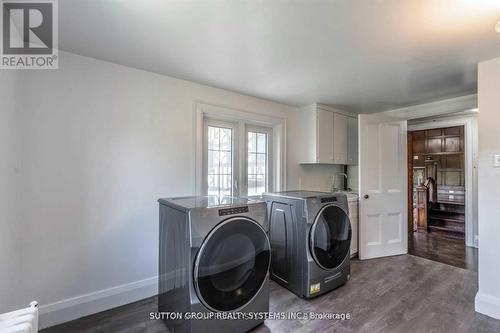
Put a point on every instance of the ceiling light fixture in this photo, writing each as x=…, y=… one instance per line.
x=497, y=27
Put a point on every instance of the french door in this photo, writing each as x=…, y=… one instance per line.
x=221, y=158
x=237, y=159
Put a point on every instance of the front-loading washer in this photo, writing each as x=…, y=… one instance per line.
x=214, y=259
x=310, y=235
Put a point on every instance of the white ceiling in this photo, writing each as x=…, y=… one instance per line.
x=358, y=55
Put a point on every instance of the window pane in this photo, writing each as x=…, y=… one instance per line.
x=252, y=182
x=261, y=164
x=225, y=139
x=213, y=138
x=226, y=167
x=226, y=184
x=219, y=160
x=213, y=162
x=252, y=142
x=260, y=184
x=252, y=166
x=261, y=143
x=213, y=184
x=257, y=163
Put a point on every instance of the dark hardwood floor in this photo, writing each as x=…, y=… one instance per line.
x=443, y=249
x=394, y=294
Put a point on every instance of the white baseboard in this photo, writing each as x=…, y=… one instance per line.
x=488, y=305
x=84, y=305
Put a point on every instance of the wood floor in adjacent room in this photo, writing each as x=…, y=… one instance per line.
x=395, y=294
x=451, y=251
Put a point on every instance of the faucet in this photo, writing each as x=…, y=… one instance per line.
x=335, y=188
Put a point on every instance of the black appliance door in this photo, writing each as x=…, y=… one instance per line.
x=281, y=238
x=232, y=264
x=330, y=237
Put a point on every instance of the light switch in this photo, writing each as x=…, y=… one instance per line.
x=496, y=161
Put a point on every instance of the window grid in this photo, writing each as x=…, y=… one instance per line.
x=220, y=161
x=257, y=163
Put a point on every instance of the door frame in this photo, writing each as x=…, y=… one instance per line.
x=409, y=166
x=470, y=152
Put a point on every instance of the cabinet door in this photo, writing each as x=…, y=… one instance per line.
x=324, y=153
x=353, y=216
x=340, y=138
x=352, y=153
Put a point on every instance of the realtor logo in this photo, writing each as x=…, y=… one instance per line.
x=29, y=34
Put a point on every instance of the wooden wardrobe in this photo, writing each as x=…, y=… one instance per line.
x=444, y=149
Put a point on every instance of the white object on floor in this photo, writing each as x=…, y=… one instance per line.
x=20, y=321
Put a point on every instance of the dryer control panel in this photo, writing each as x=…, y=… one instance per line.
x=327, y=200
x=233, y=210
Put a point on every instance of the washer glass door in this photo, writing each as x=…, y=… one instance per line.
x=330, y=237
x=232, y=264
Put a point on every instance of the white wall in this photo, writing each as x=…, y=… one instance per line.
x=488, y=296
x=96, y=144
x=10, y=90
x=318, y=177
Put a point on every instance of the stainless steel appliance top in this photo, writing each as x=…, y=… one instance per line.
x=208, y=201
x=301, y=194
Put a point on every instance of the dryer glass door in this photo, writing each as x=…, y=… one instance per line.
x=232, y=264
x=330, y=237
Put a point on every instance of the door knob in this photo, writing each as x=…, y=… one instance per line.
x=366, y=196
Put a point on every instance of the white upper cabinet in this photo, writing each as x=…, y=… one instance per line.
x=324, y=137
x=328, y=136
x=340, y=138
x=352, y=143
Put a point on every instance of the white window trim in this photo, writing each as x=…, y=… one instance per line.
x=204, y=110
x=270, y=157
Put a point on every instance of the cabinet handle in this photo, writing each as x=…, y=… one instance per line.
x=366, y=196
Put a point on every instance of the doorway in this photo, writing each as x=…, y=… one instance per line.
x=437, y=193
x=386, y=182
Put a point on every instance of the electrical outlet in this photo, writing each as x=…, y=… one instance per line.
x=496, y=161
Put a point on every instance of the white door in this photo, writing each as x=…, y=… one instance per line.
x=382, y=186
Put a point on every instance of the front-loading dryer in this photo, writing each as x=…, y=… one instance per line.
x=310, y=235
x=214, y=260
